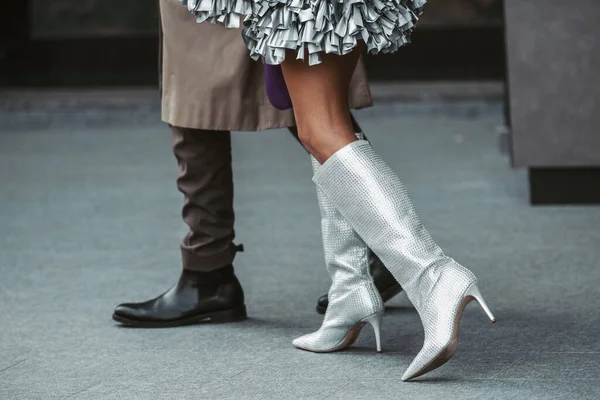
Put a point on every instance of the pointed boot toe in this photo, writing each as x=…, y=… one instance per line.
x=126, y=310
x=302, y=342
x=430, y=358
x=322, y=342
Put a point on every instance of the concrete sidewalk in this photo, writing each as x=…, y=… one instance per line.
x=90, y=218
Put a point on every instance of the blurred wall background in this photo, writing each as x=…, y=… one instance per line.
x=92, y=18
x=110, y=42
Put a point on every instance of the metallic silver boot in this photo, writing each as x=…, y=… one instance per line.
x=353, y=298
x=376, y=204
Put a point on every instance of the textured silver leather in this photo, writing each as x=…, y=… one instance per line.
x=353, y=296
x=376, y=204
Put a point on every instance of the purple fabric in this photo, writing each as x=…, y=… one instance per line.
x=276, y=88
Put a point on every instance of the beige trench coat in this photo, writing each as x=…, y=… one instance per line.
x=210, y=82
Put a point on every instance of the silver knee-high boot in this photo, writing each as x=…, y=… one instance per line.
x=353, y=297
x=376, y=204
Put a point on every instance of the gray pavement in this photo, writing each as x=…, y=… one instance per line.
x=91, y=217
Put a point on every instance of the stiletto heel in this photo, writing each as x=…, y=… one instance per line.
x=474, y=293
x=375, y=321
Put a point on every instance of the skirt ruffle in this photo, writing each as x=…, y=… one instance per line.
x=230, y=13
x=330, y=26
x=314, y=27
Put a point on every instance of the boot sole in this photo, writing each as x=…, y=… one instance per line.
x=218, y=317
x=385, y=296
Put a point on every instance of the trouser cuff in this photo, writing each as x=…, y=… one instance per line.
x=210, y=262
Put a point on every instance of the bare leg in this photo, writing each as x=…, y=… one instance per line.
x=320, y=98
x=375, y=204
x=293, y=130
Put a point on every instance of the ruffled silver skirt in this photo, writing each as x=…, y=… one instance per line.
x=313, y=27
x=227, y=12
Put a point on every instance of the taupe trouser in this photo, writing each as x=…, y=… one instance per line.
x=206, y=181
